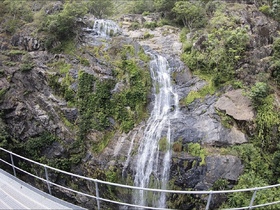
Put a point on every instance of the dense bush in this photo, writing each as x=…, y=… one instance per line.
x=4, y=136
x=191, y=14
x=35, y=146
x=62, y=24
x=100, y=8
x=258, y=93
x=275, y=61
x=268, y=124
x=221, y=49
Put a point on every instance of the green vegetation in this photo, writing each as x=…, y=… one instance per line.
x=61, y=85
x=4, y=136
x=35, y=146
x=258, y=93
x=102, y=143
x=260, y=157
x=16, y=52
x=256, y=173
x=215, y=41
x=100, y=8
x=226, y=120
x=271, y=8
x=19, y=13
x=268, y=124
x=163, y=144
x=275, y=60
x=3, y=92
x=147, y=35
x=222, y=48
x=195, y=149
x=190, y=13
x=61, y=66
x=62, y=24
x=200, y=94
x=94, y=102
x=220, y=184
x=26, y=66
x=150, y=25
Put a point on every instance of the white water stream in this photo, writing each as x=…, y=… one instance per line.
x=105, y=28
x=154, y=154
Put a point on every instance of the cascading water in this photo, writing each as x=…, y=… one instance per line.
x=154, y=154
x=105, y=28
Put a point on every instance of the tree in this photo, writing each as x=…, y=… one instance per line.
x=101, y=8
x=164, y=5
x=63, y=24
x=192, y=14
x=19, y=9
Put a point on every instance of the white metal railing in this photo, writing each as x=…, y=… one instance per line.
x=97, y=182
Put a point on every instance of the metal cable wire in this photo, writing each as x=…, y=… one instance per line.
x=97, y=181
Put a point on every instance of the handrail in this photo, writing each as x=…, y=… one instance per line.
x=97, y=181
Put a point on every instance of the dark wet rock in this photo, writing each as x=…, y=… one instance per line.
x=26, y=42
x=71, y=114
x=223, y=167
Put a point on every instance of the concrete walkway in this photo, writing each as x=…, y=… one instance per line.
x=16, y=194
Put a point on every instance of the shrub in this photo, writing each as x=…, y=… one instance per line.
x=26, y=66
x=145, y=13
x=195, y=150
x=35, y=146
x=208, y=89
x=220, y=51
x=134, y=26
x=265, y=9
x=275, y=67
x=101, y=8
x=250, y=180
x=191, y=14
x=147, y=35
x=258, y=92
x=163, y=144
x=151, y=25
x=4, y=136
x=268, y=123
x=63, y=24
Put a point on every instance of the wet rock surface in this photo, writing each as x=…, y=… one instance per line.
x=198, y=122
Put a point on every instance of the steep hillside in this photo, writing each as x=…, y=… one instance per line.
x=77, y=101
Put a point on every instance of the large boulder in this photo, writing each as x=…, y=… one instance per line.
x=235, y=104
x=227, y=167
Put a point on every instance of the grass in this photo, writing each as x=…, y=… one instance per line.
x=208, y=89
x=100, y=146
x=60, y=66
x=196, y=150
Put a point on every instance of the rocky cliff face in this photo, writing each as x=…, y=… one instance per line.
x=30, y=105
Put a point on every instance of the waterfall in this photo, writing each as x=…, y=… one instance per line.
x=105, y=28
x=154, y=153
x=155, y=149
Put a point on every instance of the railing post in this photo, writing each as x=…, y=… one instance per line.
x=13, y=165
x=47, y=178
x=208, y=201
x=253, y=198
x=97, y=195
